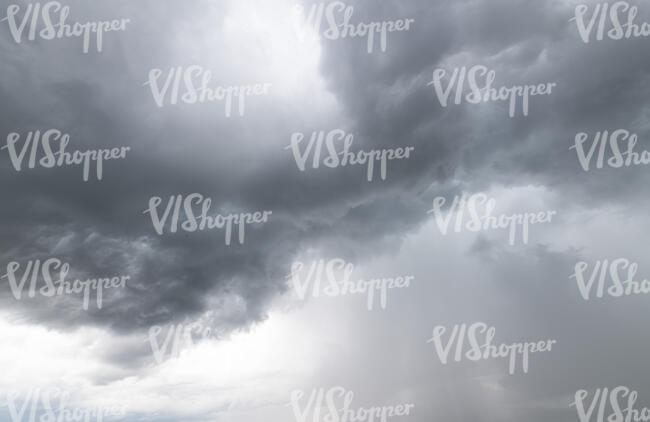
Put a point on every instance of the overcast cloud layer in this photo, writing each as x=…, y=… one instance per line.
x=270, y=343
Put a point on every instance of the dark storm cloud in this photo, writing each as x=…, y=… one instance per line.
x=98, y=227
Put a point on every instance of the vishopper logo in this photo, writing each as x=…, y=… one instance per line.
x=337, y=273
x=474, y=342
x=176, y=338
x=337, y=144
x=338, y=18
x=479, y=80
x=53, y=405
x=619, y=274
x=618, y=157
x=56, y=156
x=199, y=219
x=617, y=18
x=61, y=286
x=336, y=403
x=49, y=21
x=621, y=401
x=192, y=85
x=480, y=209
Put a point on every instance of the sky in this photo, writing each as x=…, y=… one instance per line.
x=248, y=342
